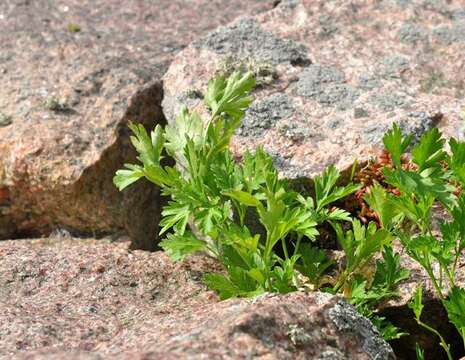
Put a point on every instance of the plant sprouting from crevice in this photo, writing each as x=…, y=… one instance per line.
x=435, y=178
x=212, y=195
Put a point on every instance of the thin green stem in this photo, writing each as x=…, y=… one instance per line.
x=286, y=254
x=457, y=255
x=297, y=245
x=463, y=337
x=441, y=276
x=454, y=267
x=348, y=273
x=340, y=282
x=267, y=258
x=429, y=270
x=241, y=211
x=443, y=343
x=450, y=276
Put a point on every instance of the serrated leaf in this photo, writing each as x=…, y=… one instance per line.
x=257, y=275
x=325, y=190
x=358, y=291
x=125, y=177
x=188, y=126
x=361, y=243
x=412, y=183
x=313, y=262
x=387, y=330
x=222, y=285
x=179, y=246
x=215, y=92
x=255, y=168
x=429, y=151
x=245, y=284
x=208, y=218
x=231, y=95
x=416, y=304
x=174, y=215
x=346, y=240
x=157, y=175
x=455, y=307
x=371, y=242
x=243, y=197
x=457, y=161
x=389, y=272
x=396, y=144
x=303, y=222
x=148, y=147
x=338, y=215
x=382, y=203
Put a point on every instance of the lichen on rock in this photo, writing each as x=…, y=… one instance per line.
x=393, y=66
x=264, y=114
x=414, y=123
x=389, y=101
x=348, y=320
x=411, y=33
x=450, y=34
x=326, y=85
x=245, y=38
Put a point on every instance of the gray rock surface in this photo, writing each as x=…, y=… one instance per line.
x=245, y=38
x=349, y=70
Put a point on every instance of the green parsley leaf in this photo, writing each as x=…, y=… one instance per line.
x=396, y=144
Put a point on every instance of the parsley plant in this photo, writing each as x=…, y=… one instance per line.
x=433, y=177
x=212, y=194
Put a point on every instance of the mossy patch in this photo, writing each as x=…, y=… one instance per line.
x=56, y=104
x=264, y=72
x=74, y=28
x=5, y=119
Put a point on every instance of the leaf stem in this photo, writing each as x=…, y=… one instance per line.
x=429, y=270
x=297, y=245
x=443, y=343
x=450, y=276
x=340, y=282
x=286, y=254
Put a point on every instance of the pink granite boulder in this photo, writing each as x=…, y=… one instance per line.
x=332, y=77
x=65, y=298
x=73, y=73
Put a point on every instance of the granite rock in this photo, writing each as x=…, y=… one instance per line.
x=73, y=74
x=85, y=299
x=393, y=59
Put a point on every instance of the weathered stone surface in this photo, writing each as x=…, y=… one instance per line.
x=85, y=299
x=341, y=72
x=73, y=73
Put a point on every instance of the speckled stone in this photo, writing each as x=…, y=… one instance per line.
x=66, y=298
x=265, y=113
x=411, y=33
x=73, y=74
x=245, y=38
x=366, y=65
